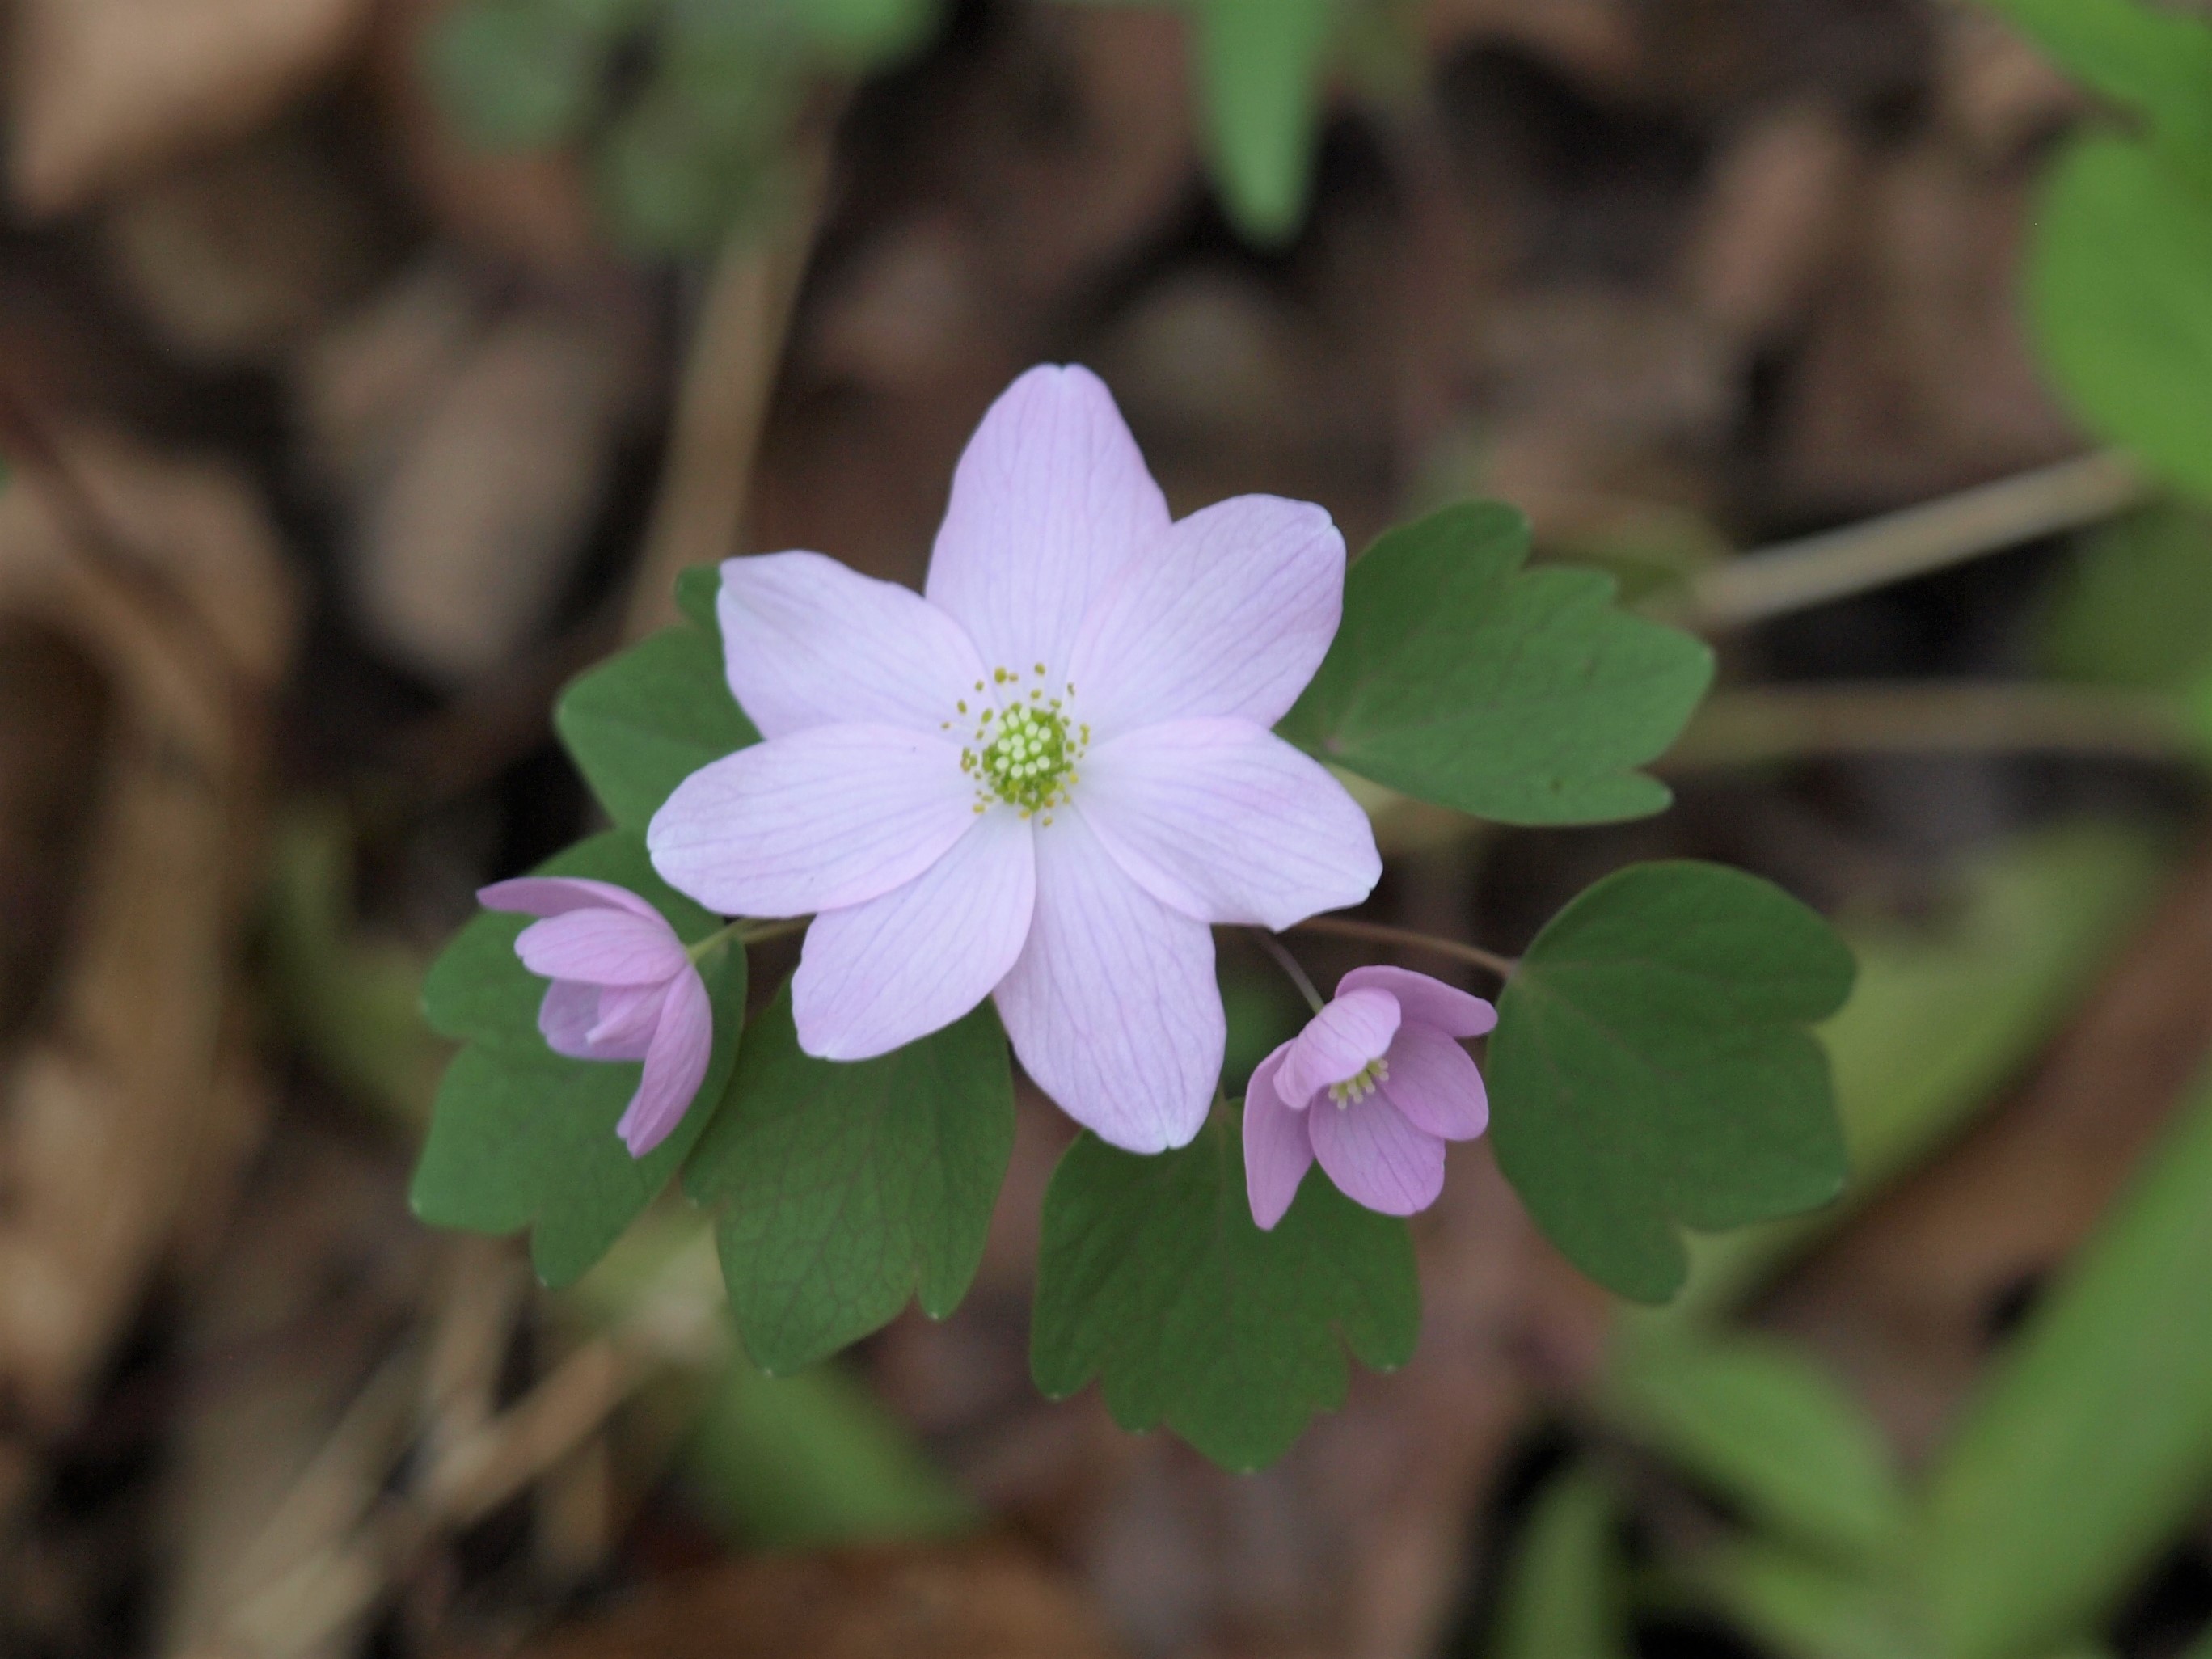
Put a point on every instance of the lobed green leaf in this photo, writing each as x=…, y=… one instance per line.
x=1653, y=1067
x=1153, y=1278
x=1526, y=697
x=642, y=721
x=522, y=1137
x=845, y=1188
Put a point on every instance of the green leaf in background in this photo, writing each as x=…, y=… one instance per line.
x=845, y=1188
x=1562, y=1596
x=1153, y=1278
x=1755, y=1421
x=1805, y=1608
x=522, y=1137
x=1945, y=1011
x=645, y=719
x=2134, y=609
x=1260, y=64
x=863, y=35
x=2121, y=308
x=2152, y=60
x=1522, y=696
x=2091, y=1443
x=523, y=74
x=1653, y=1067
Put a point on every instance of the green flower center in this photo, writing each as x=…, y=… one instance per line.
x=1025, y=754
x=1362, y=1083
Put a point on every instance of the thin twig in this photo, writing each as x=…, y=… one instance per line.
x=1289, y=963
x=1379, y=932
x=722, y=407
x=1878, y=551
x=1758, y=727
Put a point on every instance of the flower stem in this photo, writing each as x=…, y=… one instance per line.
x=1382, y=933
x=1289, y=963
x=745, y=933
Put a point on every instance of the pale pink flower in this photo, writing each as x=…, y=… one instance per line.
x=623, y=989
x=1043, y=779
x=1373, y=1087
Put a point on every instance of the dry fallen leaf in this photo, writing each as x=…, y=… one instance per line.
x=104, y=90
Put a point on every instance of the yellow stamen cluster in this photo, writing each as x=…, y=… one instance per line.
x=1362, y=1083
x=1025, y=754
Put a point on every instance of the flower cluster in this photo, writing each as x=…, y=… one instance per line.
x=1044, y=780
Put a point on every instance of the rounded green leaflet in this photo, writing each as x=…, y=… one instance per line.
x=646, y=718
x=1154, y=1278
x=522, y=1137
x=847, y=1188
x=1654, y=1068
x=1523, y=696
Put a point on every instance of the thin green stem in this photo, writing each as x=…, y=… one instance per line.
x=745, y=932
x=1378, y=932
x=1289, y=963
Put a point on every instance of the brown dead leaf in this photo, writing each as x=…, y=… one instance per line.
x=105, y=90
x=129, y=1104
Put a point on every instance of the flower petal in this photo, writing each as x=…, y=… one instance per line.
x=1050, y=499
x=828, y=816
x=1434, y=1082
x=628, y=1016
x=1278, y=1147
x=675, y=1066
x=1112, y=1006
x=554, y=896
x=1376, y=1157
x=565, y=1019
x=1337, y=1043
x=1229, y=824
x=1423, y=1001
x=601, y=947
x=875, y=976
x=1227, y=615
x=807, y=642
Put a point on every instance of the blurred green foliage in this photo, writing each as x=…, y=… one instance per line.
x=2121, y=307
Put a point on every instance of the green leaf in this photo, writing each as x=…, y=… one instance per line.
x=1755, y=1421
x=523, y=73
x=1153, y=1278
x=1523, y=696
x=1945, y=1011
x=522, y=1137
x=2155, y=61
x=1562, y=1597
x=1805, y=1608
x=847, y=1188
x=2134, y=607
x=1260, y=65
x=1652, y=1066
x=2121, y=306
x=645, y=719
x=2091, y=1444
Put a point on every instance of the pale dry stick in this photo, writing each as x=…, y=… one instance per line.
x=1793, y=575
x=729, y=375
x=1767, y=724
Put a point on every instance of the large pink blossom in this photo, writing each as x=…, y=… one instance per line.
x=623, y=989
x=1042, y=780
x=1374, y=1087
